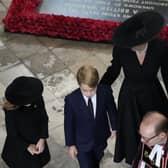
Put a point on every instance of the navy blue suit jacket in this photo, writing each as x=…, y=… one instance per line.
x=81, y=129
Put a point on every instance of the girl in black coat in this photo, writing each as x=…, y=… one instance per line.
x=26, y=125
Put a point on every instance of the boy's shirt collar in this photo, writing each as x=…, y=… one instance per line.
x=94, y=101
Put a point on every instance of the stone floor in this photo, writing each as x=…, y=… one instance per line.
x=55, y=62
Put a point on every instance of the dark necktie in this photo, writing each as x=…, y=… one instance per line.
x=90, y=106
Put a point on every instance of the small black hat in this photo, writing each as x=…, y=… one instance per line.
x=24, y=90
x=138, y=29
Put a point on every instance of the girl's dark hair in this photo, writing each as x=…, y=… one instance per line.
x=9, y=106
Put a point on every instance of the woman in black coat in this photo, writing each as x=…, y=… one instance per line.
x=26, y=125
x=141, y=56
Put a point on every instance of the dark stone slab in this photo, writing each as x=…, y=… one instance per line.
x=116, y=10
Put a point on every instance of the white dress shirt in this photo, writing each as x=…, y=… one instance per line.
x=93, y=98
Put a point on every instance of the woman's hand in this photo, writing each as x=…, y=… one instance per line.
x=113, y=133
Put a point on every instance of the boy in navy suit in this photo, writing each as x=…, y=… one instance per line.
x=90, y=118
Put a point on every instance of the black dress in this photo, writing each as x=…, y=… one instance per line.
x=25, y=126
x=140, y=92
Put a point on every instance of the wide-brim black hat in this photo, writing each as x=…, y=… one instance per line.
x=138, y=29
x=24, y=90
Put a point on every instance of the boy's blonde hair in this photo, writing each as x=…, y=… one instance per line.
x=88, y=75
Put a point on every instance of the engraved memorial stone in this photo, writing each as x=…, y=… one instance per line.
x=112, y=10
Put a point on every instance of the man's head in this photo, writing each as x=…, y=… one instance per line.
x=87, y=77
x=153, y=128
